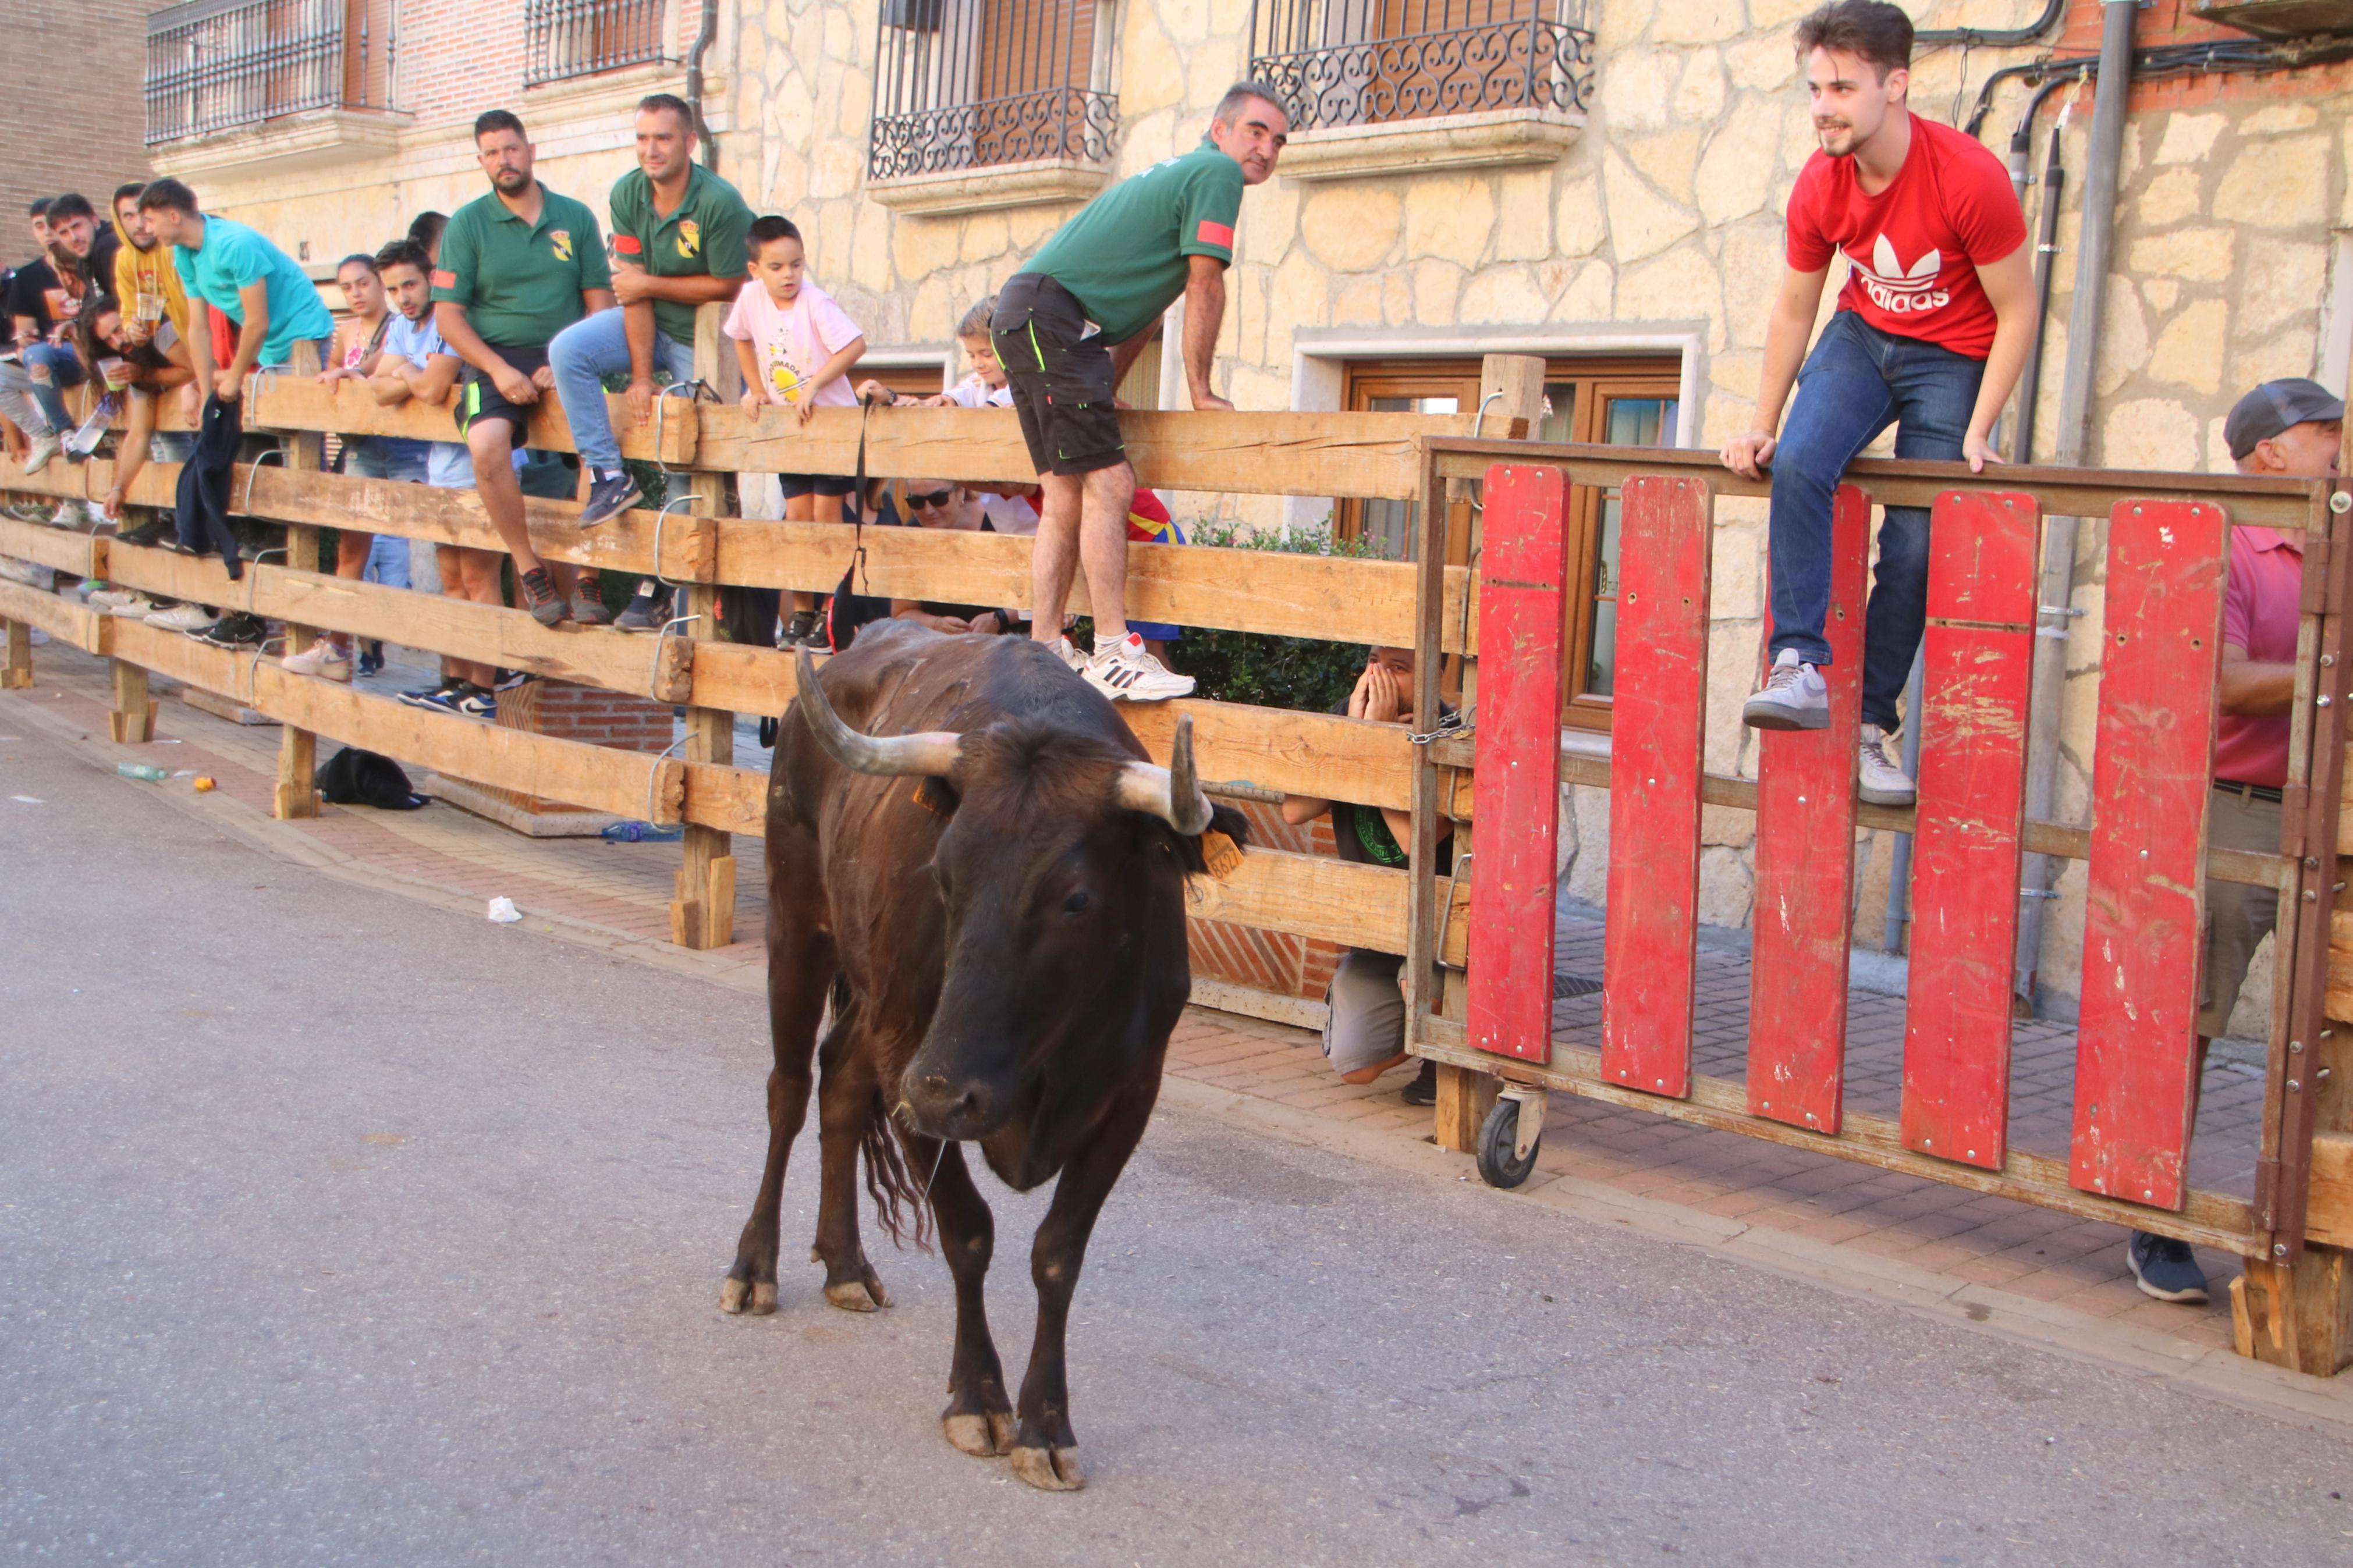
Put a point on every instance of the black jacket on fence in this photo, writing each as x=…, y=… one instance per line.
x=202, y=499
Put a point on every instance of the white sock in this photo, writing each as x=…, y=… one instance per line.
x=1127, y=642
x=609, y=473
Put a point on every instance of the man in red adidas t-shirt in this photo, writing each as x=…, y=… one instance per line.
x=1930, y=332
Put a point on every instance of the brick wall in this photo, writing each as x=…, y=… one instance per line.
x=1269, y=961
x=458, y=58
x=2168, y=22
x=86, y=135
x=570, y=712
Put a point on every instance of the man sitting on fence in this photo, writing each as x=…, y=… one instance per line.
x=1067, y=326
x=518, y=266
x=678, y=243
x=1364, y=1032
x=257, y=286
x=44, y=297
x=1930, y=332
x=2283, y=430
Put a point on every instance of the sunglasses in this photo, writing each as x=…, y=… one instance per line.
x=935, y=499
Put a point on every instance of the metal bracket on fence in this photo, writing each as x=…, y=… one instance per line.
x=653, y=676
x=653, y=776
x=1446, y=913
x=2058, y=633
x=2040, y=893
x=250, y=581
x=660, y=517
x=1478, y=507
x=245, y=508
x=687, y=389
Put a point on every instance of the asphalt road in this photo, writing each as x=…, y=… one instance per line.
x=335, y=1227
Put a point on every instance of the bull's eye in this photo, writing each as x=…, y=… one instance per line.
x=1076, y=903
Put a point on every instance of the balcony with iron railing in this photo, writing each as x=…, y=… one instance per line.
x=1388, y=86
x=214, y=66
x=564, y=40
x=983, y=103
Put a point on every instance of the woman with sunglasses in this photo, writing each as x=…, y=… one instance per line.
x=942, y=504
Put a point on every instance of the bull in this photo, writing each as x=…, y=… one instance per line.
x=971, y=855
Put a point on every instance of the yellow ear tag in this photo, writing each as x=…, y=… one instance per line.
x=1220, y=854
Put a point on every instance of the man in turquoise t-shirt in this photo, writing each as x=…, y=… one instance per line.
x=224, y=264
x=1066, y=329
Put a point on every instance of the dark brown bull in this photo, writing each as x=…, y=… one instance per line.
x=969, y=854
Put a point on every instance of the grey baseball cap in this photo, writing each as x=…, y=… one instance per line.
x=2273, y=407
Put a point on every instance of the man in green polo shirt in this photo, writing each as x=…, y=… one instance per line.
x=1067, y=326
x=517, y=267
x=678, y=242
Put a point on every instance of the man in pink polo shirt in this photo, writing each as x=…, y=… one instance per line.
x=2283, y=430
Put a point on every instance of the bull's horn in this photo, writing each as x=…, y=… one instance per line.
x=1171, y=793
x=930, y=752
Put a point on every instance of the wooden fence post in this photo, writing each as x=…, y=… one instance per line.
x=17, y=674
x=297, y=749
x=703, y=914
x=1516, y=382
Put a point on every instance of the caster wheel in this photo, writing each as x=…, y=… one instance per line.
x=1496, y=1166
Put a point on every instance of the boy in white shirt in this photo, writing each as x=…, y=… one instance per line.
x=795, y=347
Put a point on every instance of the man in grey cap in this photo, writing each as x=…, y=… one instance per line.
x=2283, y=430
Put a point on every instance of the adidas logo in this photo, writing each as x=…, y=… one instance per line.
x=1902, y=290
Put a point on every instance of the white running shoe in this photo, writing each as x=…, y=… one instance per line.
x=183, y=618
x=1069, y=655
x=30, y=574
x=45, y=445
x=1792, y=698
x=323, y=659
x=1878, y=780
x=1125, y=673
x=137, y=606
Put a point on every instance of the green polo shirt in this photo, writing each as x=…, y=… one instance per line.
x=521, y=282
x=704, y=238
x=1124, y=256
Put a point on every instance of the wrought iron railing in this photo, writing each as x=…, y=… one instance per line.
x=967, y=84
x=1372, y=62
x=215, y=64
x=564, y=38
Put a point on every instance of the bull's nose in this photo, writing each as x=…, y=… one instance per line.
x=953, y=1109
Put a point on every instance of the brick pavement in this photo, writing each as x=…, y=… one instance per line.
x=621, y=892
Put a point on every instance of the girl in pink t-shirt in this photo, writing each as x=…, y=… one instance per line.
x=795, y=347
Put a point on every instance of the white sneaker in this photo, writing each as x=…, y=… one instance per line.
x=136, y=605
x=1877, y=780
x=1792, y=698
x=45, y=445
x=30, y=574
x=1069, y=655
x=1125, y=673
x=98, y=598
x=183, y=618
x=323, y=659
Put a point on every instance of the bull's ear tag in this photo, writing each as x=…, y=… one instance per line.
x=935, y=795
x=1220, y=855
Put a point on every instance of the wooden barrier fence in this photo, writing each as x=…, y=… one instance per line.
x=1474, y=943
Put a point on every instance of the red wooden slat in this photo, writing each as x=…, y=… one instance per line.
x=1979, y=663
x=1650, y=953
x=2136, y=1039
x=1523, y=580
x=1805, y=866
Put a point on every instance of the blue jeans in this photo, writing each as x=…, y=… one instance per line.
x=385, y=457
x=18, y=381
x=1856, y=382
x=582, y=356
x=387, y=561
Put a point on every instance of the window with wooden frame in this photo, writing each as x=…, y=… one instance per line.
x=916, y=380
x=1620, y=400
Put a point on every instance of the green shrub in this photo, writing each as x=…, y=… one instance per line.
x=1303, y=673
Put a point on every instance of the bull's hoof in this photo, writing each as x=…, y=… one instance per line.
x=982, y=1437
x=1049, y=1469
x=744, y=1298
x=858, y=1295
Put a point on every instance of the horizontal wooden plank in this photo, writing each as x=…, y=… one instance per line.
x=77, y=624
x=569, y=771
x=66, y=549
x=2061, y=492
x=2207, y=1220
x=599, y=657
x=734, y=800
x=348, y=409
x=1331, y=597
x=1578, y=767
x=1371, y=456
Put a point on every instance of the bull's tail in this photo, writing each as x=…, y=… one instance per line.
x=894, y=1188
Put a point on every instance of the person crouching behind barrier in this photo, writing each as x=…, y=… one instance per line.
x=1364, y=1033
x=795, y=347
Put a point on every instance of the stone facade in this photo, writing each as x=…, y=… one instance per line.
x=1655, y=226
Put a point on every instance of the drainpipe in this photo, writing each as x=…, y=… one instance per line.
x=2102, y=162
x=702, y=41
